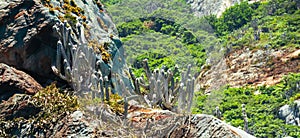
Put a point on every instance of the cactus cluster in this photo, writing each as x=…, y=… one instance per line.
x=87, y=73
x=78, y=64
x=164, y=91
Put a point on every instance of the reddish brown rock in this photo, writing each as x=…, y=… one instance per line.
x=14, y=81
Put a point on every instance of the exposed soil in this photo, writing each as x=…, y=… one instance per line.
x=251, y=67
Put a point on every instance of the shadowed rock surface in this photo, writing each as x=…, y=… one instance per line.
x=18, y=106
x=27, y=40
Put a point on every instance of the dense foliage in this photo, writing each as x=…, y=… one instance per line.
x=262, y=106
x=265, y=24
x=233, y=18
x=161, y=27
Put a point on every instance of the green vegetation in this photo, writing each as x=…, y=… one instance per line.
x=53, y=102
x=262, y=106
x=233, y=18
x=161, y=50
x=110, y=2
x=159, y=31
x=271, y=24
x=267, y=24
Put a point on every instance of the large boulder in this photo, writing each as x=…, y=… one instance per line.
x=291, y=113
x=15, y=81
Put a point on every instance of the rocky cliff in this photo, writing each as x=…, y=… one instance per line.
x=29, y=43
x=215, y=7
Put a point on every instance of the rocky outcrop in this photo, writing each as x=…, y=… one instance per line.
x=161, y=123
x=207, y=7
x=28, y=41
x=21, y=107
x=217, y=7
x=74, y=125
x=250, y=67
x=291, y=113
x=140, y=122
x=14, y=81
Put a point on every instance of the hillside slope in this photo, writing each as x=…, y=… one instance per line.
x=258, y=76
x=251, y=55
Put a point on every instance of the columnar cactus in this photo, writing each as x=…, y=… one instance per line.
x=218, y=113
x=86, y=72
x=78, y=64
x=163, y=91
x=245, y=118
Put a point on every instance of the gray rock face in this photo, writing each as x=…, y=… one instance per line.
x=291, y=113
x=74, y=125
x=209, y=126
x=29, y=42
x=207, y=7
x=14, y=81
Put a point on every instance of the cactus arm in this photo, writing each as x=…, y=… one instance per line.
x=147, y=69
